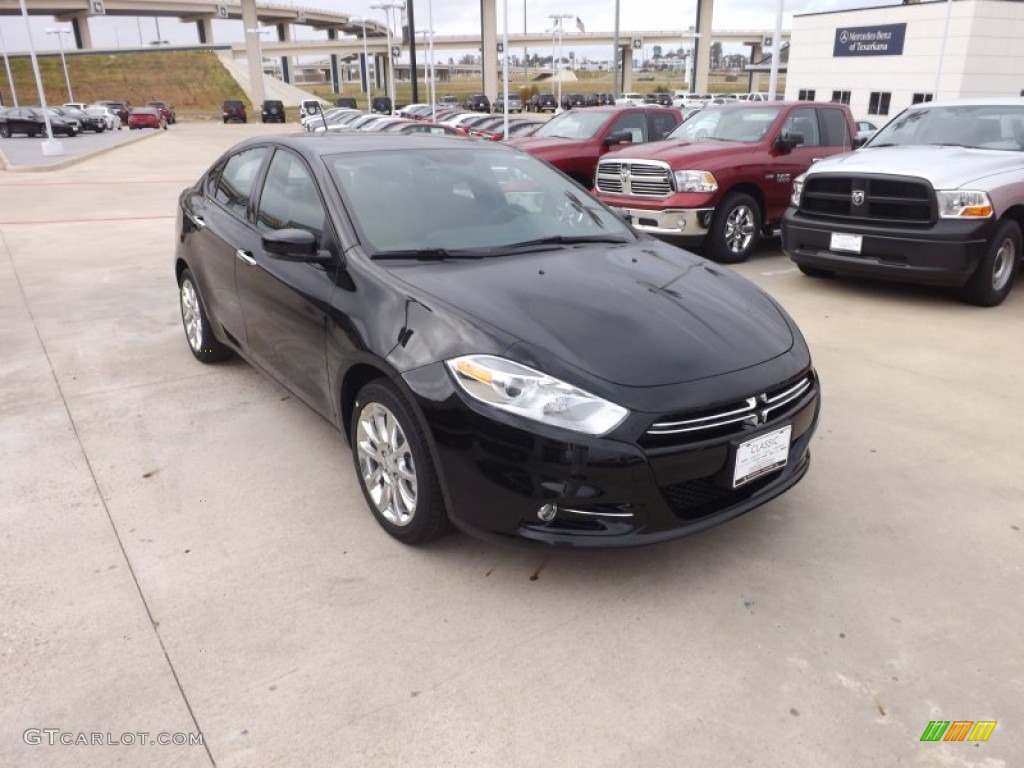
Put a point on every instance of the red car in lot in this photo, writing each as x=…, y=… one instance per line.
x=146, y=117
x=574, y=141
x=166, y=109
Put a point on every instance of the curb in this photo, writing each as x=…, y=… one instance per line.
x=6, y=164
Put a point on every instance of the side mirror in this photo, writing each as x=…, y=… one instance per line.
x=858, y=142
x=294, y=245
x=622, y=137
x=789, y=140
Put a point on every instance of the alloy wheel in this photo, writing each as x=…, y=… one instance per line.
x=1002, y=265
x=386, y=464
x=739, y=228
x=191, y=315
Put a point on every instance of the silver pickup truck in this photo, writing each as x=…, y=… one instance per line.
x=935, y=197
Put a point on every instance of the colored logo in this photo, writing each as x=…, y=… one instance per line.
x=958, y=730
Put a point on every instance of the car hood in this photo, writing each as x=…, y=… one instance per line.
x=675, y=151
x=640, y=314
x=944, y=167
x=542, y=146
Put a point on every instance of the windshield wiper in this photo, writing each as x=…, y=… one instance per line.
x=429, y=254
x=542, y=243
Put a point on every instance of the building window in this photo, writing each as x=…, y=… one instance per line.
x=841, y=97
x=921, y=97
x=806, y=95
x=878, y=104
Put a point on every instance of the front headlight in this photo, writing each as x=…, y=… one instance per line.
x=517, y=389
x=963, y=204
x=798, y=190
x=695, y=181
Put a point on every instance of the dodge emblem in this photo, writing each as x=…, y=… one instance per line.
x=858, y=197
x=624, y=171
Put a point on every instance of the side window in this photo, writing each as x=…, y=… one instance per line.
x=633, y=124
x=837, y=132
x=804, y=122
x=661, y=125
x=234, y=187
x=290, y=199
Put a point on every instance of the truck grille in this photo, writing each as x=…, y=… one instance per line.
x=732, y=417
x=876, y=199
x=634, y=177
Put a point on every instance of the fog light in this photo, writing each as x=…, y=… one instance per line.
x=681, y=223
x=547, y=512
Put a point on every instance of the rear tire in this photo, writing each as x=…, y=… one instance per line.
x=735, y=229
x=815, y=271
x=394, y=467
x=5, y=131
x=995, y=274
x=198, y=332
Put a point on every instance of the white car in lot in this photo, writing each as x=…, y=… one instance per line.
x=111, y=119
x=630, y=100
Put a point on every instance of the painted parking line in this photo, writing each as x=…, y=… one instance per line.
x=772, y=272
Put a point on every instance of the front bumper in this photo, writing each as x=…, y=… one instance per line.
x=497, y=472
x=946, y=253
x=689, y=223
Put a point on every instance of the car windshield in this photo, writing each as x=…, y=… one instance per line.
x=477, y=201
x=746, y=125
x=573, y=125
x=990, y=126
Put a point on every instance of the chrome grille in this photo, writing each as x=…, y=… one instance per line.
x=753, y=411
x=634, y=177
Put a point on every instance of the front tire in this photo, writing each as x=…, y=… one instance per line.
x=994, y=276
x=394, y=467
x=198, y=332
x=735, y=229
x=5, y=131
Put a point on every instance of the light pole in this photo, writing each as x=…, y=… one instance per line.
x=428, y=41
x=362, y=21
x=693, y=61
x=432, y=89
x=60, y=38
x=773, y=77
x=387, y=8
x=557, y=21
x=51, y=146
x=7, y=66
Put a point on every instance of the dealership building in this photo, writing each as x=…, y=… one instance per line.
x=880, y=60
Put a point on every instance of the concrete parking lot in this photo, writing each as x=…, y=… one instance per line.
x=185, y=550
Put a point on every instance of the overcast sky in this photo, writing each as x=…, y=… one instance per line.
x=454, y=16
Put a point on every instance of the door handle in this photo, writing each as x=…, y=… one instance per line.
x=197, y=220
x=246, y=257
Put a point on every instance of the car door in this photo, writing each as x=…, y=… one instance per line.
x=220, y=210
x=789, y=163
x=285, y=303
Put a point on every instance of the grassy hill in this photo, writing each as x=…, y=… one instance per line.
x=195, y=82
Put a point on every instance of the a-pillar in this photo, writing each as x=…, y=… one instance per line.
x=252, y=51
x=284, y=35
x=489, y=50
x=205, y=28
x=80, y=28
x=702, y=46
x=756, y=54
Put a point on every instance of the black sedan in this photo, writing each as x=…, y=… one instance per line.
x=30, y=121
x=507, y=354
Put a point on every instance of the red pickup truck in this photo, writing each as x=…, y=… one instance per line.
x=574, y=140
x=724, y=177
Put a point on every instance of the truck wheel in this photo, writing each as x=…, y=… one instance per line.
x=815, y=271
x=735, y=229
x=993, y=278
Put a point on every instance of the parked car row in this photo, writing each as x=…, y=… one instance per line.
x=419, y=118
x=73, y=118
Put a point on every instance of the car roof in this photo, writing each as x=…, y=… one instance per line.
x=314, y=145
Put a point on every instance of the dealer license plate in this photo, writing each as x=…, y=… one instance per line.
x=848, y=243
x=762, y=455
